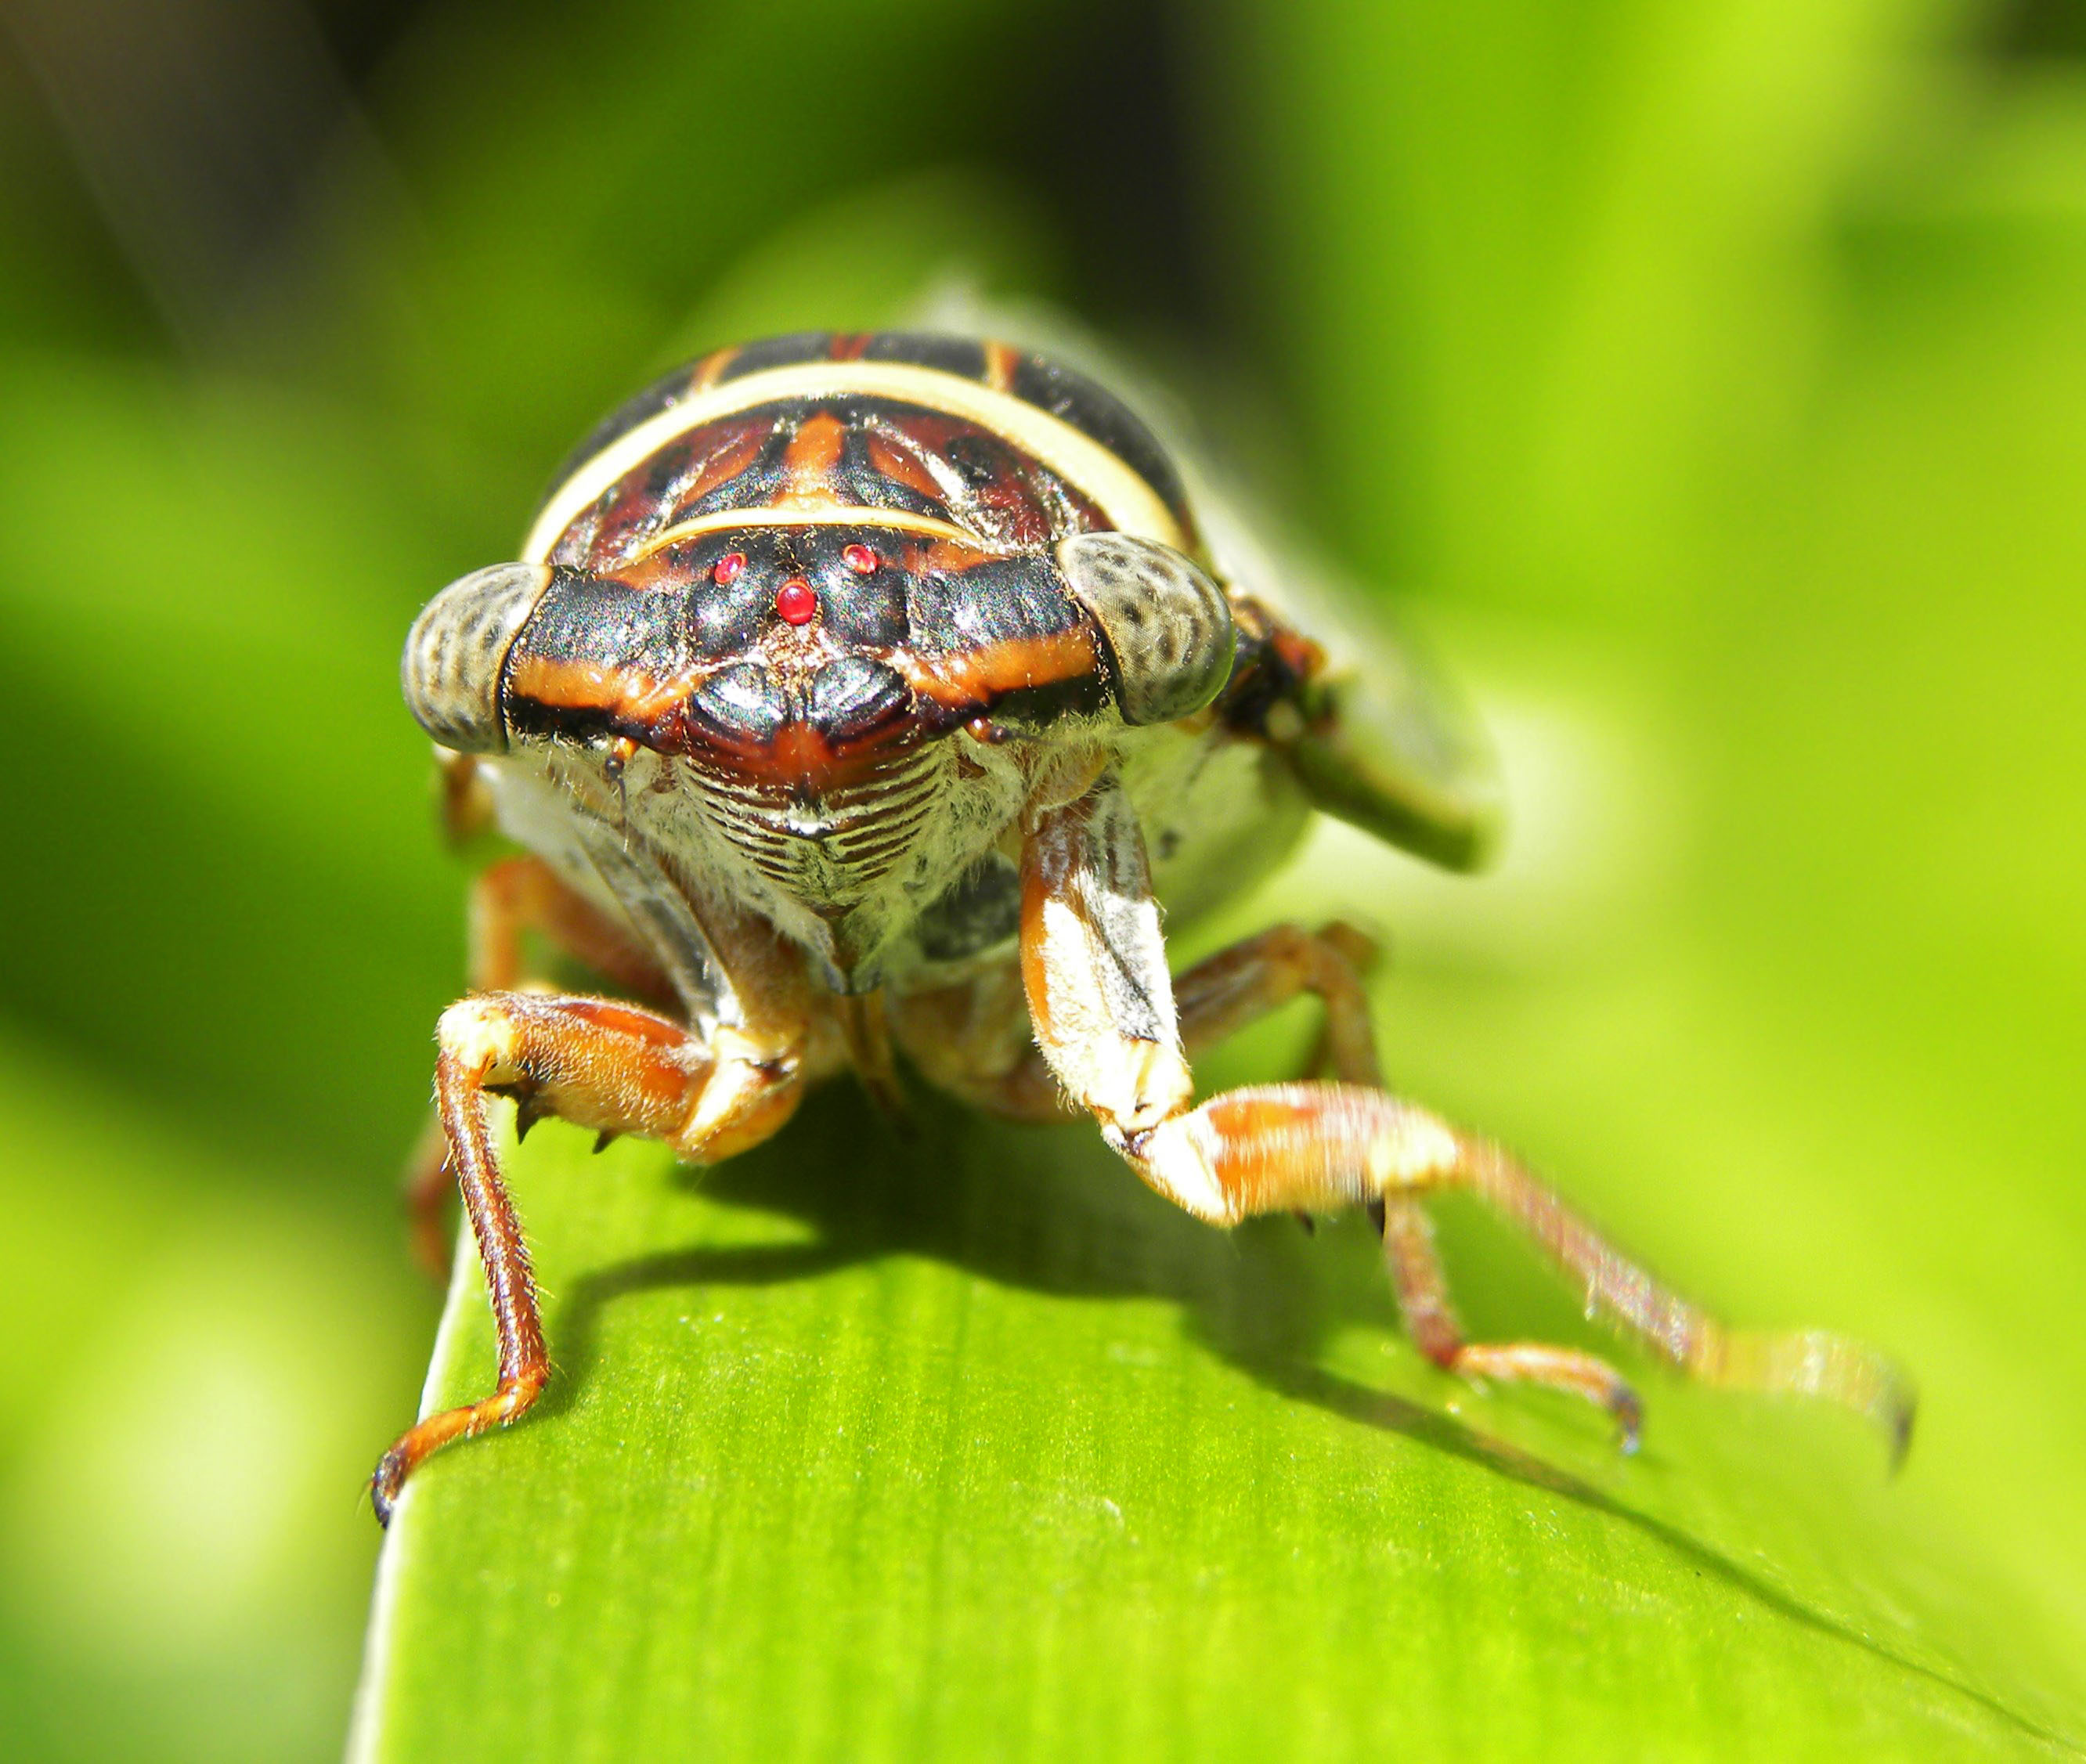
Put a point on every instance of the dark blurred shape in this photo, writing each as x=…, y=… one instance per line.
x=200, y=128
x=361, y=33
x=205, y=129
x=1099, y=126
x=2037, y=30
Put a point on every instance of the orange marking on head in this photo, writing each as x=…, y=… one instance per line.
x=797, y=758
x=1000, y=362
x=576, y=685
x=975, y=676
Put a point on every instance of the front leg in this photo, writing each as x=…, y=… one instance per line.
x=1094, y=968
x=600, y=1064
x=515, y=895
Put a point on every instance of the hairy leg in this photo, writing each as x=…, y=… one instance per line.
x=523, y=894
x=1267, y=1146
x=1223, y=993
x=598, y=1063
x=508, y=899
x=1107, y=1022
x=974, y=1039
x=1416, y=1276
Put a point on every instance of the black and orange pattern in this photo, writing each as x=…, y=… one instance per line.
x=796, y=589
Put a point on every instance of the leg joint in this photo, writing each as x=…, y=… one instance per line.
x=480, y=1034
x=1176, y=1157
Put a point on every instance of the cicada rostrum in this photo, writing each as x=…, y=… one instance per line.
x=857, y=696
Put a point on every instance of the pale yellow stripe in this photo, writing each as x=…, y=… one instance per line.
x=1129, y=503
x=820, y=515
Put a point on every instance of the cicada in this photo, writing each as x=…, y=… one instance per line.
x=863, y=697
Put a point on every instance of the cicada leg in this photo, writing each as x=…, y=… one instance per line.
x=975, y=1039
x=1223, y=993
x=1417, y=1276
x=601, y=1065
x=508, y=899
x=1105, y=1017
x=523, y=894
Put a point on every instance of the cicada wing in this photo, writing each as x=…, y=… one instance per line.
x=1382, y=766
x=1391, y=747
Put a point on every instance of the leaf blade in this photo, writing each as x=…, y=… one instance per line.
x=864, y=1452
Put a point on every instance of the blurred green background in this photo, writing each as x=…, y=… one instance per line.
x=1706, y=377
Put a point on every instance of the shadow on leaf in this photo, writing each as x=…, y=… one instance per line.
x=1050, y=1210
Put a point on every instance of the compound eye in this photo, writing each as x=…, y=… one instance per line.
x=1167, y=626
x=456, y=649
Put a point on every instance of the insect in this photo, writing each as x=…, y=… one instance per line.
x=858, y=695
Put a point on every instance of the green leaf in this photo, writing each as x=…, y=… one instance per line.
x=962, y=1444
